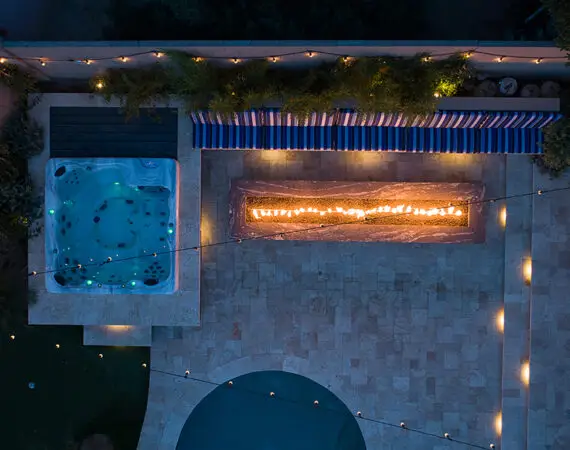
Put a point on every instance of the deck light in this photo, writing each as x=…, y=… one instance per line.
x=501, y=321
x=527, y=270
x=503, y=216
x=89, y=282
x=525, y=373
x=499, y=423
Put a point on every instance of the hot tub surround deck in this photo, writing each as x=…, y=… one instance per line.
x=396, y=212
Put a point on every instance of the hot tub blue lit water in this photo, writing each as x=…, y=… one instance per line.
x=101, y=209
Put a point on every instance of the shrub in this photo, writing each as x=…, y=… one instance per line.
x=369, y=84
x=556, y=147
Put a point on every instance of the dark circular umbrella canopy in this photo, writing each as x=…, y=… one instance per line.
x=245, y=417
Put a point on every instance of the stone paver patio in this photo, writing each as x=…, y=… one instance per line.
x=397, y=331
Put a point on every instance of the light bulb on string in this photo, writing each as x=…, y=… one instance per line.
x=310, y=54
x=87, y=61
x=158, y=54
x=236, y=60
x=123, y=58
x=57, y=346
x=274, y=59
x=12, y=337
x=500, y=59
x=2, y=60
x=42, y=62
x=538, y=60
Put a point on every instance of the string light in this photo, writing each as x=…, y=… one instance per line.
x=310, y=53
x=272, y=394
x=359, y=414
x=403, y=425
x=308, y=229
x=316, y=403
x=230, y=383
x=42, y=62
x=186, y=373
x=144, y=365
x=446, y=436
x=436, y=94
x=100, y=355
x=12, y=337
x=57, y=346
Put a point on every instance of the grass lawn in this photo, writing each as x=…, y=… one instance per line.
x=76, y=393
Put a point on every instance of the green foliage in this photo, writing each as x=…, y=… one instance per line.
x=369, y=84
x=22, y=135
x=18, y=80
x=560, y=13
x=556, y=158
x=21, y=207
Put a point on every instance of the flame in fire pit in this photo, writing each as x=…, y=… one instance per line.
x=329, y=210
x=359, y=213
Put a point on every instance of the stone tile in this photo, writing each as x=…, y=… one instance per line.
x=361, y=319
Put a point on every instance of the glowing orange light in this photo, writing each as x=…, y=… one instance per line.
x=402, y=209
x=499, y=423
x=527, y=270
x=525, y=373
x=2, y=60
x=501, y=320
x=503, y=216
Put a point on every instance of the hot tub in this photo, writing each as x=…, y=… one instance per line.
x=111, y=225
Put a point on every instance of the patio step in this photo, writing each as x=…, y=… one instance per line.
x=117, y=335
x=517, y=296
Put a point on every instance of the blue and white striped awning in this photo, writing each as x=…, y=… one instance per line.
x=455, y=132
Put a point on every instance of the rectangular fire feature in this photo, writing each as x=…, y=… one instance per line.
x=375, y=211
